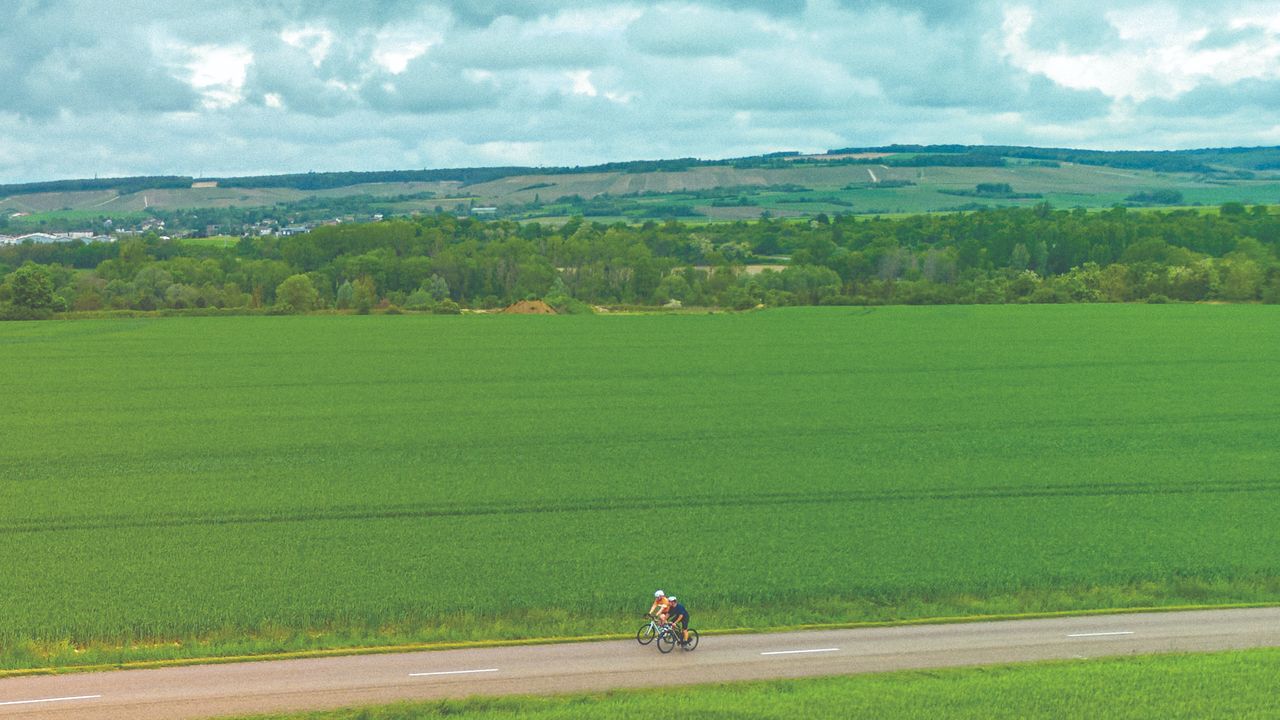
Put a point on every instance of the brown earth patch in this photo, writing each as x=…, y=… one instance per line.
x=529, y=307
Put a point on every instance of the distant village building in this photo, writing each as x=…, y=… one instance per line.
x=484, y=211
x=204, y=184
x=41, y=238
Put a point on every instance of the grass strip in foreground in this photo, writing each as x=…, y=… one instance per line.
x=1228, y=684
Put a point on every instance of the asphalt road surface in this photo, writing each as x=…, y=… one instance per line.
x=292, y=685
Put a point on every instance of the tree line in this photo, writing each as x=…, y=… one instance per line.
x=1157, y=160
x=443, y=263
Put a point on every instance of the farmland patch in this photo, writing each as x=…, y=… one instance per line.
x=237, y=483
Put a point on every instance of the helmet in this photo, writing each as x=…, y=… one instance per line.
x=658, y=593
x=672, y=598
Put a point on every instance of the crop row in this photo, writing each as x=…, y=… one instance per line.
x=335, y=479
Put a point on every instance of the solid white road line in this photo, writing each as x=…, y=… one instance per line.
x=1124, y=632
x=49, y=700
x=798, y=652
x=453, y=672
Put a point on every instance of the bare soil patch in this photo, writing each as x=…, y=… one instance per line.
x=529, y=307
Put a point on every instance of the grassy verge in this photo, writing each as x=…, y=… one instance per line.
x=1229, y=684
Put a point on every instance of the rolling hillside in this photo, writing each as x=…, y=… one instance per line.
x=885, y=180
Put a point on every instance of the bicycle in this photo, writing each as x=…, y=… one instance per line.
x=649, y=630
x=669, y=636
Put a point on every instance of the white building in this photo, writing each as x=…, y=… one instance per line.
x=45, y=238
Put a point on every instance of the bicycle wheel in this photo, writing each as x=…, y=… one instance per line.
x=645, y=634
x=666, y=641
x=693, y=641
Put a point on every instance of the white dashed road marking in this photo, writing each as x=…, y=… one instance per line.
x=1124, y=632
x=798, y=652
x=453, y=672
x=50, y=700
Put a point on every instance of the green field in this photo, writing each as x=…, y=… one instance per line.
x=177, y=487
x=1220, y=685
x=216, y=241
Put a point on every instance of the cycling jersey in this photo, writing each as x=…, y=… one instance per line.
x=678, y=610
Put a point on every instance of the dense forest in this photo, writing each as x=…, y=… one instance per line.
x=442, y=263
x=1158, y=160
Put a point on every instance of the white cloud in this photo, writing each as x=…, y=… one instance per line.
x=394, y=55
x=217, y=73
x=1160, y=57
x=581, y=83
x=317, y=41
x=316, y=84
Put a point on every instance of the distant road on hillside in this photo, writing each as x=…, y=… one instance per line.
x=293, y=685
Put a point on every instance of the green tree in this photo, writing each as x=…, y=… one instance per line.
x=1040, y=257
x=1242, y=278
x=438, y=288
x=736, y=297
x=1020, y=259
x=366, y=294
x=296, y=294
x=133, y=255
x=419, y=300
x=31, y=287
x=672, y=287
x=346, y=296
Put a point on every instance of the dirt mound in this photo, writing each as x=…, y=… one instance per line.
x=529, y=307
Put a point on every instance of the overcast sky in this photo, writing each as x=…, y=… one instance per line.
x=132, y=87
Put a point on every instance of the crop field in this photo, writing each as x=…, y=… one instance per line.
x=218, y=241
x=193, y=486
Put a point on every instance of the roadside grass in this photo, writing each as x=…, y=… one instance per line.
x=191, y=487
x=56, y=657
x=1234, y=684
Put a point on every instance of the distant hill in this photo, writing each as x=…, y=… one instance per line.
x=1207, y=161
x=877, y=180
x=330, y=180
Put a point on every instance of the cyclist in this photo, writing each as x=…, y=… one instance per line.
x=660, y=606
x=679, y=616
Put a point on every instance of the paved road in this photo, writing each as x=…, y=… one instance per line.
x=221, y=690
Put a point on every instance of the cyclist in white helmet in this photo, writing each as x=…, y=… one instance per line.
x=679, y=617
x=660, y=605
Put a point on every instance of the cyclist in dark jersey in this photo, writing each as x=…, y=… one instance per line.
x=678, y=615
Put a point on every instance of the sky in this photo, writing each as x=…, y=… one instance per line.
x=237, y=87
